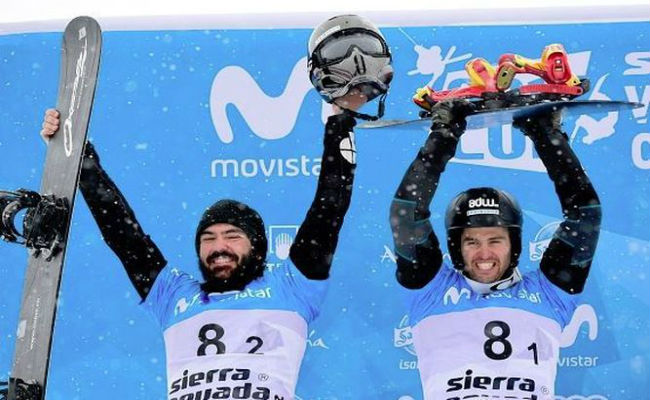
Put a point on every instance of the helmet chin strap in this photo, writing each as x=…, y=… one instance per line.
x=380, y=110
x=486, y=288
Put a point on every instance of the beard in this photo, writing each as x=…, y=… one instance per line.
x=250, y=267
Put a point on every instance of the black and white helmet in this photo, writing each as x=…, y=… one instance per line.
x=483, y=207
x=348, y=51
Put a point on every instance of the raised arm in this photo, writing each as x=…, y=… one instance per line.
x=313, y=248
x=416, y=245
x=139, y=255
x=567, y=260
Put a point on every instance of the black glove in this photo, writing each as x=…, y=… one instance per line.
x=539, y=124
x=448, y=117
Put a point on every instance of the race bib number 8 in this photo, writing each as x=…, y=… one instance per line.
x=497, y=347
x=210, y=334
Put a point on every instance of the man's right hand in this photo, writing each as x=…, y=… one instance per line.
x=353, y=100
x=50, y=124
x=451, y=114
x=539, y=124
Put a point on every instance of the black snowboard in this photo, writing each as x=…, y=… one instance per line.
x=78, y=76
x=491, y=117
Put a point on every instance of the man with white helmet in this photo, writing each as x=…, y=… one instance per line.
x=480, y=328
x=241, y=331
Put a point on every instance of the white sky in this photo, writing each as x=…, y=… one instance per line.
x=12, y=11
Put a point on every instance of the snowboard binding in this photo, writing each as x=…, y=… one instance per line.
x=22, y=390
x=43, y=222
x=490, y=87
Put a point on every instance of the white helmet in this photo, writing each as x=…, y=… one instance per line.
x=348, y=51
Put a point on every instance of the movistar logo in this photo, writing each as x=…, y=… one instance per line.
x=268, y=117
x=454, y=295
x=584, y=314
x=252, y=168
x=182, y=305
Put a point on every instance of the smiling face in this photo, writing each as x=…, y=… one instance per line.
x=222, y=249
x=486, y=253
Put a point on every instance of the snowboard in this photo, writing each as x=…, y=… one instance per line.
x=501, y=116
x=78, y=76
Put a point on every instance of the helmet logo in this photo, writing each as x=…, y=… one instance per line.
x=485, y=206
x=360, y=64
x=483, y=202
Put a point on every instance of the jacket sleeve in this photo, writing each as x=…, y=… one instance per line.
x=313, y=248
x=567, y=260
x=417, y=248
x=121, y=231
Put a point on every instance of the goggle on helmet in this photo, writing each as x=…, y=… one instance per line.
x=349, y=51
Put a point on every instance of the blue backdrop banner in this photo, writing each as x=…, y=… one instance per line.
x=185, y=117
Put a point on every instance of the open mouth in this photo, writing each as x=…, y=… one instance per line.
x=485, y=266
x=221, y=261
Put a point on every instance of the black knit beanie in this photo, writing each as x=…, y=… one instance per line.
x=237, y=214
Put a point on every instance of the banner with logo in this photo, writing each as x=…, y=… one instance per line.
x=185, y=117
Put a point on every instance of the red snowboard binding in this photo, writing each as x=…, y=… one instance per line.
x=488, y=82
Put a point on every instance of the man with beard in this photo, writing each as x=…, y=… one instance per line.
x=480, y=328
x=241, y=333
x=243, y=321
